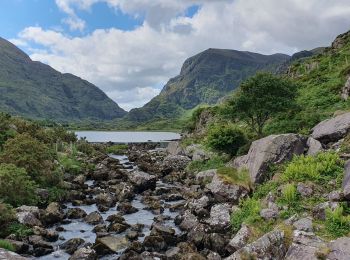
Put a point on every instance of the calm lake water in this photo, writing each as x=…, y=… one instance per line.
x=127, y=137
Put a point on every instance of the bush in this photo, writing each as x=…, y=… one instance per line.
x=234, y=176
x=26, y=152
x=70, y=163
x=7, y=215
x=16, y=187
x=225, y=138
x=320, y=168
x=248, y=213
x=337, y=225
x=117, y=149
x=6, y=245
x=289, y=194
x=20, y=230
x=84, y=147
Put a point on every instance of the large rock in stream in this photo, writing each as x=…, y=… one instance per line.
x=109, y=245
x=273, y=149
x=142, y=181
x=333, y=129
x=8, y=255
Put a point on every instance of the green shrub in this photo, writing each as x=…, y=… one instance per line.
x=70, y=163
x=6, y=245
x=27, y=152
x=262, y=190
x=213, y=163
x=16, y=186
x=320, y=168
x=234, y=176
x=289, y=194
x=337, y=225
x=117, y=149
x=248, y=213
x=84, y=147
x=7, y=215
x=20, y=230
x=225, y=138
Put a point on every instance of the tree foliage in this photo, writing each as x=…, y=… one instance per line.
x=261, y=97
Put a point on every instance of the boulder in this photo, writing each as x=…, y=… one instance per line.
x=305, y=246
x=345, y=91
x=76, y=213
x=154, y=243
x=109, y=244
x=93, y=218
x=346, y=181
x=332, y=130
x=8, y=255
x=314, y=146
x=270, y=246
x=174, y=148
x=339, y=249
x=105, y=199
x=72, y=245
x=305, y=190
x=273, y=149
x=126, y=208
x=84, y=253
x=188, y=221
x=319, y=211
x=175, y=163
x=269, y=213
x=224, y=191
x=20, y=246
x=80, y=179
x=304, y=224
x=197, y=152
x=167, y=233
x=205, y=177
x=239, y=240
x=219, y=219
x=142, y=181
x=53, y=214
x=27, y=218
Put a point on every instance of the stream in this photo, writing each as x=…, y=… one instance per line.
x=78, y=228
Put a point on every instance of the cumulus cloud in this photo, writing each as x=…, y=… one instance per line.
x=131, y=65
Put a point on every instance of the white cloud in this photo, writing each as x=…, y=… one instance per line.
x=129, y=65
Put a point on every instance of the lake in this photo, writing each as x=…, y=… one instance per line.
x=127, y=137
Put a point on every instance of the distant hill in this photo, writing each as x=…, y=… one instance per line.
x=204, y=79
x=35, y=90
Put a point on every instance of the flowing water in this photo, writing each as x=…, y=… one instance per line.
x=77, y=228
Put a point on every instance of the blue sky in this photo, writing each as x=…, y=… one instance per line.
x=130, y=48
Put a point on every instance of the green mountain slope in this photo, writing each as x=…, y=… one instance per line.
x=204, y=79
x=35, y=90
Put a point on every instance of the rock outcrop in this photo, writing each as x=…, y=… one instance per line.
x=273, y=149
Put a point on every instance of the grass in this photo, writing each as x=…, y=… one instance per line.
x=337, y=225
x=234, y=176
x=6, y=245
x=249, y=213
x=117, y=149
x=213, y=163
x=70, y=163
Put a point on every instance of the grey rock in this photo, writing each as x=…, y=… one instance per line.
x=27, y=218
x=189, y=221
x=53, y=214
x=345, y=91
x=154, y=243
x=110, y=244
x=175, y=163
x=226, y=192
x=239, y=240
x=8, y=255
x=319, y=212
x=336, y=196
x=305, y=190
x=205, y=177
x=197, y=152
x=80, y=179
x=269, y=213
x=105, y=199
x=75, y=213
x=332, y=130
x=84, y=253
x=72, y=245
x=273, y=149
x=304, y=224
x=142, y=180
x=94, y=218
x=314, y=146
x=339, y=249
x=174, y=148
x=305, y=246
x=346, y=181
x=270, y=246
x=220, y=217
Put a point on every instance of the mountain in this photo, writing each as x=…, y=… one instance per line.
x=35, y=90
x=204, y=79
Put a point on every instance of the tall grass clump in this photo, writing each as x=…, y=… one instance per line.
x=248, y=213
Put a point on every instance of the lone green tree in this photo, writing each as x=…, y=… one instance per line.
x=261, y=97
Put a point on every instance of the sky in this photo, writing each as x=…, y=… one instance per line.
x=131, y=48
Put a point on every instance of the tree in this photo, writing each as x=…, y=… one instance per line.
x=261, y=97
